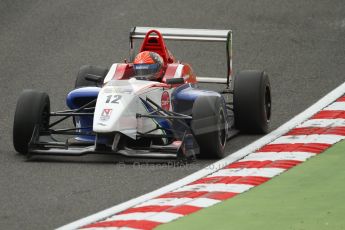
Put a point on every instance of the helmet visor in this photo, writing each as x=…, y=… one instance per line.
x=146, y=71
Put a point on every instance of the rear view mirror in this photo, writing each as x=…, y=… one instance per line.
x=175, y=81
x=94, y=78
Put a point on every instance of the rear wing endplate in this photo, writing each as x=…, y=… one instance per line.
x=205, y=35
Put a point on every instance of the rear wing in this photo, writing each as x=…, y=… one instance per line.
x=204, y=35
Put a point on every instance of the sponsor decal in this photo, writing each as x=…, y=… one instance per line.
x=105, y=114
x=165, y=100
x=108, y=90
x=118, y=89
x=127, y=90
x=142, y=66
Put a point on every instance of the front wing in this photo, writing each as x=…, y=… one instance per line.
x=44, y=142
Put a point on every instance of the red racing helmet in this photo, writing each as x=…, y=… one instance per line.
x=148, y=66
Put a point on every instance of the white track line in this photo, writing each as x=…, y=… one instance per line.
x=336, y=106
x=242, y=172
x=166, y=202
x=162, y=217
x=215, y=187
x=276, y=156
x=322, y=103
x=323, y=123
x=314, y=138
x=203, y=202
x=197, y=202
x=111, y=228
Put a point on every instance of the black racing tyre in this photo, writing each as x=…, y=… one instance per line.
x=33, y=108
x=209, y=126
x=252, y=102
x=89, y=69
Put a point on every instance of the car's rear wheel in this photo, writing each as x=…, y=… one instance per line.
x=81, y=80
x=89, y=69
x=252, y=102
x=210, y=126
x=33, y=109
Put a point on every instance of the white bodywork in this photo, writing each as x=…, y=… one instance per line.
x=118, y=103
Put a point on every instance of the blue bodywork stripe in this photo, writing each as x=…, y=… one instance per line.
x=164, y=123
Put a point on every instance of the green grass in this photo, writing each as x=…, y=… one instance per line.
x=309, y=196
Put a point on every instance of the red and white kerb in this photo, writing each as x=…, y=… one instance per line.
x=308, y=139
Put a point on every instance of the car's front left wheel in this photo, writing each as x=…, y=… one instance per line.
x=33, y=110
x=210, y=126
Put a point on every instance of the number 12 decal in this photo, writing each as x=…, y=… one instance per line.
x=113, y=99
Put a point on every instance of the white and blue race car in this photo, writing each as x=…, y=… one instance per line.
x=115, y=111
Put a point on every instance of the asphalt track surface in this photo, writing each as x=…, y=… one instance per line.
x=301, y=44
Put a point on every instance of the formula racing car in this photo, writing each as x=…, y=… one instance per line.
x=149, y=106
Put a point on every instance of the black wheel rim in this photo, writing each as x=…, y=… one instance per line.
x=268, y=103
x=221, y=129
x=44, y=124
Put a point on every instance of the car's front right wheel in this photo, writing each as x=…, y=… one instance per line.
x=252, y=101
